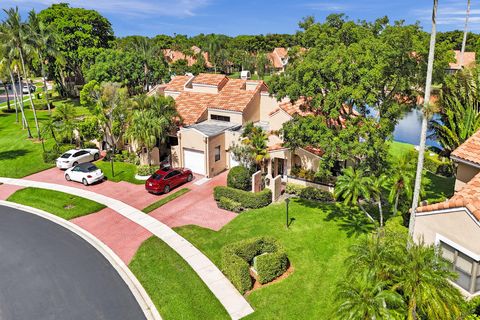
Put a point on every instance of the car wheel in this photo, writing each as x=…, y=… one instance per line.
x=96, y=156
x=75, y=163
x=166, y=189
x=85, y=182
x=190, y=177
x=67, y=177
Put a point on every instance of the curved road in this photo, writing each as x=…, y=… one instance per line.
x=48, y=272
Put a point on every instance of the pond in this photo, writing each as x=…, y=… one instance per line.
x=408, y=129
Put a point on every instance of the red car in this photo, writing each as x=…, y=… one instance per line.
x=164, y=180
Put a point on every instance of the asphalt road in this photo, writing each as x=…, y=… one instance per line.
x=48, y=272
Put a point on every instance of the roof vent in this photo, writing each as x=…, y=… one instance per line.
x=245, y=75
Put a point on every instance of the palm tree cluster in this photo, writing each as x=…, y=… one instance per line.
x=358, y=187
x=391, y=277
x=253, y=151
x=20, y=42
x=460, y=110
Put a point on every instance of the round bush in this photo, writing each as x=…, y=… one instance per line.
x=239, y=178
x=146, y=170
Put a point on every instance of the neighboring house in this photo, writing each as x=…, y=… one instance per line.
x=172, y=56
x=214, y=109
x=454, y=225
x=279, y=59
x=469, y=59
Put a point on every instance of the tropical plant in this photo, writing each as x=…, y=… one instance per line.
x=255, y=139
x=353, y=186
x=401, y=179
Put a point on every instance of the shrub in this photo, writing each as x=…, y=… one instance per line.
x=311, y=193
x=293, y=188
x=239, y=177
x=42, y=105
x=271, y=261
x=395, y=224
x=445, y=169
x=89, y=145
x=246, y=199
x=229, y=204
x=49, y=156
x=431, y=163
x=146, y=170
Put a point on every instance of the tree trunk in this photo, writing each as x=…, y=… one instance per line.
x=45, y=89
x=30, y=96
x=365, y=211
x=380, y=211
x=465, y=31
x=8, y=96
x=423, y=135
x=15, y=98
x=24, y=118
x=395, y=207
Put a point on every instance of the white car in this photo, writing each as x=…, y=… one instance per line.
x=86, y=173
x=28, y=88
x=73, y=157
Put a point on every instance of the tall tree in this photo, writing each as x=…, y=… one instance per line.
x=465, y=33
x=401, y=180
x=426, y=114
x=255, y=140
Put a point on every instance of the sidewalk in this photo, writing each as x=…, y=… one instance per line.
x=233, y=302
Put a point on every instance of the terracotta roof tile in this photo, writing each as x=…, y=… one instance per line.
x=278, y=57
x=470, y=149
x=468, y=197
x=177, y=83
x=210, y=79
x=172, y=56
x=469, y=59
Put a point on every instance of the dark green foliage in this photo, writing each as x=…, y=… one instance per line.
x=311, y=193
x=237, y=257
x=248, y=200
x=229, y=204
x=239, y=177
x=146, y=170
x=49, y=156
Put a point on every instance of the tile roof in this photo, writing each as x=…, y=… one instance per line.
x=294, y=107
x=469, y=59
x=232, y=95
x=470, y=149
x=217, y=80
x=278, y=57
x=468, y=197
x=175, y=55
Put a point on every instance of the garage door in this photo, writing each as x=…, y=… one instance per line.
x=194, y=160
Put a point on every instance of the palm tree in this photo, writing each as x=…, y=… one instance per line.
x=353, y=186
x=460, y=110
x=41, y=40
x=147, y=49
x=142, y=130
x=367, y=297
x=255, y=140
x=65, y=119
x=425, y=118
x=422, y=277
x=376, y=188
x=16, y=33
x=401, y=179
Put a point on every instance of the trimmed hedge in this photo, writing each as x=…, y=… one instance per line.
x=146, y=170
x=229, y=204
x=309, y=193
x=237, y=258
x=240, y=178
x=248, y=200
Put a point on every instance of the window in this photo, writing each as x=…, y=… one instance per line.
x=217, y=153
x=468, y=269
x=219, y=117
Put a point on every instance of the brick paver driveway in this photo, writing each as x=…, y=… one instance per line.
x=195, y=207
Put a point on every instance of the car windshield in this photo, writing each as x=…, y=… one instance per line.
x=157, y=176
x=65, y=155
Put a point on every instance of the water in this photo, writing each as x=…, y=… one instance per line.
x=409, y=128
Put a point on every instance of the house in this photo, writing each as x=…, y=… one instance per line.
x=454, y=225
x=278, y=59
x=469, y=59
x=214, y=110
x=172, y=56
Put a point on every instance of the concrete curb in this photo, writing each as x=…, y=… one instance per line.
x=146, y=304
x=233, y=302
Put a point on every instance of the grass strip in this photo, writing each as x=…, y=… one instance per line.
x=165, y=200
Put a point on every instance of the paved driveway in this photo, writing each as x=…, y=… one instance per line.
x=195, y=207
x=47, y=272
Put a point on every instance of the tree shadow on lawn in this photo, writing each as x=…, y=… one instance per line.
x=350, y=219
x=12, y=154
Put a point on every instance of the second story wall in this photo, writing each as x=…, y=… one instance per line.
x=267, y=105
x=252, y=111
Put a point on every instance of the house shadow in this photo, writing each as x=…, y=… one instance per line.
x=12, y=154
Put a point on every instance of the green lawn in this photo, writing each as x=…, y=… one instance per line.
x=175, y=289
x=123, y=171
x=61, y=204
x=165, y=200
x=316, y=243
x=399, y=148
